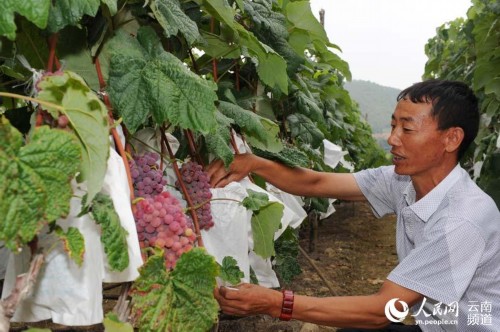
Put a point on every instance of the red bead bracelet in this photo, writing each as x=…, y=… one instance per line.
x=287, y=306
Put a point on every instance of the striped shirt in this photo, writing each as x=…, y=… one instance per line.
x=448, y=245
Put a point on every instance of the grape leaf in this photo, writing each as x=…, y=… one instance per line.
x=36, y=11
x=255, y=200
x=112, y=6
x=113, y=324
x=230, y=271
x=287, y=250
x=290, y=156
x=217, y=47
x=181, y=300
x=113, y=235
x=305, y=130
x=270, y=27
x=173, y=20
x=34, y=180
x=271, y=67
x=217, y=140
x=220, y=10
x=300, y=16
x=265, y=222
x=69, y=12
x=74, y=243
x=260, y=132
x=145, y=80
x=88, y=118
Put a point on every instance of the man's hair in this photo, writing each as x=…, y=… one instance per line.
x=453, y=104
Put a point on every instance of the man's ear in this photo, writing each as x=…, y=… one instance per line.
x=453, y=139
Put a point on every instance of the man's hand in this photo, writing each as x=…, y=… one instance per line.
x=249, y=299
x=237, y=170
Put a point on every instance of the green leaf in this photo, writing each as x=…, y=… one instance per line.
x=34, y=180
x=55, y=157
x=173, y=20
x=270, y=27
x=88, y=118
x=219, y=9
x=300, y=16
x=113, y=235
x=144, y=81
x=74, y=243
x=113, y=324
x=216, y=47
x=70, y=12
x=178, y=301
x=218, y=140
x=230, y=271
x=271, y=67
x=287, y=250
x=112, y=6
x=305, y=130
x=259, y=131
x=255, y=200
x=290, y=156
x=265, y=222
x=33, y=329
x=36, y=11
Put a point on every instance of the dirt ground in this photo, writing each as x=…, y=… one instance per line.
x=352, y=255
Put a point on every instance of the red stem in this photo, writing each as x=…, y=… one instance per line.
x=196, y=224
x=214, y=61
x=114, y=132
x=52, y=51
x=237, y=72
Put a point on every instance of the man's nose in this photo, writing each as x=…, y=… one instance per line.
x=393, y=139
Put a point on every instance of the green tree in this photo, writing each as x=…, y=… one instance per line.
x=469, y=50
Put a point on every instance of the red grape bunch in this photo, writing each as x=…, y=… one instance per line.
x=161, y=223
x=146, y=175
x=198, y=187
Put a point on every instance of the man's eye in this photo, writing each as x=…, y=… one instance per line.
x=407, y=129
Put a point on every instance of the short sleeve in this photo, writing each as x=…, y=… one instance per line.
x=376, y=186
x=443, y=265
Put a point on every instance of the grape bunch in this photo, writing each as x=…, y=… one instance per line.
x=146, y=175
x=161, y=222
x=198, y=187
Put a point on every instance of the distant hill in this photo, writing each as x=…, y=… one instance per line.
x=376, y=103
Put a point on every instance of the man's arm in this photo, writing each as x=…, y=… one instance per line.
x=296, y=180
x=342, y=311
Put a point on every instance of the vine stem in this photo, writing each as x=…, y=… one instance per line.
x=192, y=146
x=164, y=140
x=114, y=132
x=214, y=60
x=199, y=205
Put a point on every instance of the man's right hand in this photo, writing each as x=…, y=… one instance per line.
x=220, y=176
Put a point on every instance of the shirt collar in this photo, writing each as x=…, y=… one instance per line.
x=428, y=204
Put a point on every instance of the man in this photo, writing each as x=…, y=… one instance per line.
x=448, y=230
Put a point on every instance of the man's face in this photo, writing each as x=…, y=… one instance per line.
x=417, y=145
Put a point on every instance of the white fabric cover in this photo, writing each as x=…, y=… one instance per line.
x=64, y=292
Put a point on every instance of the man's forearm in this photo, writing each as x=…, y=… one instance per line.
x=346, y=311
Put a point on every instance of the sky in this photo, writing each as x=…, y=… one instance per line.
x=383, y=40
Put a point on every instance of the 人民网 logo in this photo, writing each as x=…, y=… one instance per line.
x=393, y=314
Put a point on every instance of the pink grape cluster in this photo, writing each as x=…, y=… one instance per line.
x=146, y=175
x=161, y=223
x=198, y=187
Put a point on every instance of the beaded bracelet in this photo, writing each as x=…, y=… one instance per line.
x=287, y=306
